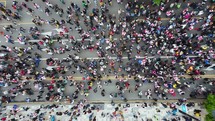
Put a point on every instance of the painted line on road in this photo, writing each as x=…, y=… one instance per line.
x=53, y=40
x=19, y=23
x=88, y=39
x=98, y=58
x=210, y=68
x=28, y=23
x=164, y=19
x=119, y=78
x=103, y=101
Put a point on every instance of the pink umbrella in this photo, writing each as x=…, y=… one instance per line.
x=172, y=92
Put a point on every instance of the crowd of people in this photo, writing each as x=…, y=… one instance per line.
x=100, y=112
x=129, y=45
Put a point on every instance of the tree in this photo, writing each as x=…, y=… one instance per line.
x=209, y=117
x=157, y=2
x=210, y=107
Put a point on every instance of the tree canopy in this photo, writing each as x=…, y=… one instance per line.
x=210, y=107
x=157, y=2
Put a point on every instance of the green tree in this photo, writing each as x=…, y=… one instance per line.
x=210, y=107
x=157, y=2
x=209, y=117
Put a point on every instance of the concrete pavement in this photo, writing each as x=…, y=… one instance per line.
x=25, y=22
x=136, y=111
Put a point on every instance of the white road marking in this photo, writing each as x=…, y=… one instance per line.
x=97, y=58
x=210, y=68
x=54, y=40
x=29, y=23
x=51, y=67
x=88, y=39
x=53, y=32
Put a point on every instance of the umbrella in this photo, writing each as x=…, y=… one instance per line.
x=184, y=108
x=174, y=111
x=52, y=118
x=101, y=63
x=27, y=99
x=139, y=61
x=37, y=61
x=15, y=107
x=171, y=91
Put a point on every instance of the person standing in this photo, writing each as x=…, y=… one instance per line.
x=88, y=2
x=84, y=4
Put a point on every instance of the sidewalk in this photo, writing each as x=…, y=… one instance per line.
x=136, y=112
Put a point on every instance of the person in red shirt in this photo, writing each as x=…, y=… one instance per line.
x=4, y=119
